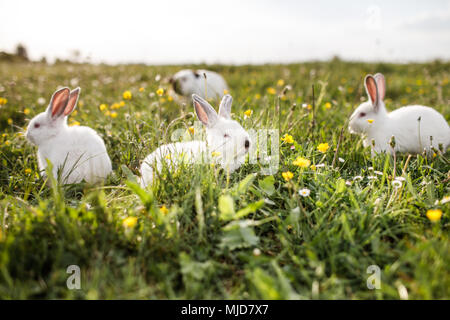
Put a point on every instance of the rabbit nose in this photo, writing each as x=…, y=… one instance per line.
x=247, y=144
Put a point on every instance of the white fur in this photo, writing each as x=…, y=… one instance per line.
x=411, y=136
x=230, y=150
x=77, y=152
x=188, y=82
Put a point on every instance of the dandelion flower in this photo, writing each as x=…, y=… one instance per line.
x=160, y=92
x=169, y=156
x=370, y=120
x=113, y=114
x=301, y=162
x=313, y=167
x=3, y=101
x=257, y=96
x=323, y=147
x=287, y=175
x=164, y=209
x=127, y=95
x=215, y=153
x=434, y=215
x=103, y=107
x=280, y=83
x=10, y=121
x=26, y=111
x=248, y=113
x=191, y=130
x=27, y=170
x=327, y=105
x=141, y=89
x=74, y=123
x=271, y=91
x=304, y=192
x=121, y=103
x=225, y=91
x=129, y=222
x=287, y=138
x=7, y=143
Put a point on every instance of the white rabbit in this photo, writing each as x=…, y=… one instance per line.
x=415, y=128
x=187, y=82
x=227, y=143
x=76, y=153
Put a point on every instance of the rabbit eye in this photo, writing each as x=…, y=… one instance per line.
x=37, y=125
x=362, y=114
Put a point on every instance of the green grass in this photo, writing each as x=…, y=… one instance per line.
x=282, y=246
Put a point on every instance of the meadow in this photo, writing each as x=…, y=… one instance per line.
x=309, y=231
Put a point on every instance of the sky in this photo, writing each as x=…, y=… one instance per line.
x=228, y=32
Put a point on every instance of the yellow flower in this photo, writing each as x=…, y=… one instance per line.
x=80, y=103
x=7, y=143
x=225, y=91
x=271, y=90
x=408, y=89
x=301, y=162
x=248, y=112
x=257, y=96
x=129, y=222
x=162, y=100
x=169, y=156
x=10, y=121
x=121, y=103
x=74, y=123
x=113, y=114
x=434, y=214
x=27, y=170
x=127, y=95
x=160, y=92
x=370, y=120
x=169, y=98
x=103, y=107
x=323, y=147
x=287, y=138
x=215, y=153
x=107, y=113
x=313, y=167
x=287, y=175
x=141, y=89
x=280, y=83
x=327, y=105
x=26, y=111
x=75, y=112
x=191, y=130
x=419, y=82
x=115, y=106
x=164, y=209
x=3, y=101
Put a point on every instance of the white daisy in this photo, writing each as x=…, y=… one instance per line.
x=378, y=173
x=396, y=184
x=401, y=179
x=341, y=160
x=304, y=192
x=357, y=178
x=372, y=177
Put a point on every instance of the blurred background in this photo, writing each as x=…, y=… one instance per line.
x=225, y=32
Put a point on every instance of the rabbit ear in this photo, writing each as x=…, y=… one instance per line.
x=58, y=102
x=381, y=85
x=225, y=107
x=73, y=99
x=205, y=113
x=372, y=90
